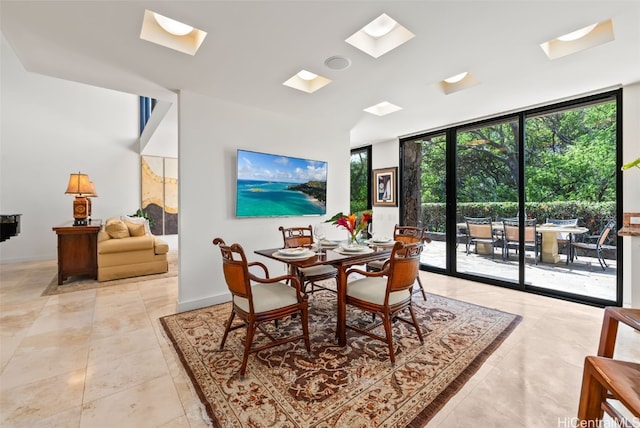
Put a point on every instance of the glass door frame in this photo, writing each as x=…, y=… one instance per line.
x=452, y=206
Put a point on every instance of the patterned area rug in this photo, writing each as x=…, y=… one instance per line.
x=354, y=386
x=77, y=283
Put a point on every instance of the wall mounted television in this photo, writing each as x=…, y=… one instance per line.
x=270, y=185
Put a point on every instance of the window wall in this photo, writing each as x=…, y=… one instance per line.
x=521, y=173
x=360, y=179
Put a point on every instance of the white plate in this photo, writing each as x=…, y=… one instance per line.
x=355, y=249
x=299, y=256
x=381, y=240
x=328, y=244
x=298, y=251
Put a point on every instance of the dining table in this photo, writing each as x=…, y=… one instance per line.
x=549, y=251
x=341, y=260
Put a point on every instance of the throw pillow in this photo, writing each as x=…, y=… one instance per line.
x=116, y=228
x=135, y=229
x=138, y=220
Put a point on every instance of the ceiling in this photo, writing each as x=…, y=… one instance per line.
x=252, y=47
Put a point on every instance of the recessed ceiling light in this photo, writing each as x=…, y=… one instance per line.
x=172, y=26
x=307, y=81
x=170, y=33
x=578, y=34
x=456, y=78
x=579, y=40
x=380, y=36
x=306, y=75
x=457, y=82
x=381, y=26
x=383, y=108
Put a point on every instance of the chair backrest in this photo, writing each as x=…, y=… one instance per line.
x=512, y=230
x=408, y=234
x=297, y=236
x=236, y=270
x=605, y=232
x=479, y=227
x=404, y=264
x=563, y=222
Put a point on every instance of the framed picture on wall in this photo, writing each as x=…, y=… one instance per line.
x=385, y=187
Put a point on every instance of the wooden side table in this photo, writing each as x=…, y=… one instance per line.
x=77, y=251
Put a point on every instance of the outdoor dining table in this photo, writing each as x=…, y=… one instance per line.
x=549, y=251
x=550, y=240
x=341, y=261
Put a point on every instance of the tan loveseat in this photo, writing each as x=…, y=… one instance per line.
x=126, y=248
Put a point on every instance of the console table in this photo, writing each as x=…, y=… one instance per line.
x=77, y=251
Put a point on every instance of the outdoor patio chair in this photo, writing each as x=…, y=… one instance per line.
x=303, y=237
x=386, y=293
x=511, y=237
x=564, y=239
x=480, y=231
x=258, y=300
x=597, y=243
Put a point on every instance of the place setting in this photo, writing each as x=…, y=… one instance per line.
x=298, y=253
x=352, y=249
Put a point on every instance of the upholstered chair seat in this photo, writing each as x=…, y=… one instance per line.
x=268, y=297
x=373, y=290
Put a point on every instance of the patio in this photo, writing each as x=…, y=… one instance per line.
x=584, y=276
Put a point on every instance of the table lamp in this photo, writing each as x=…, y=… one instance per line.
x=80, y=186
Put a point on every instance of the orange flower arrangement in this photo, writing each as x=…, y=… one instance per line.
x=353, y=223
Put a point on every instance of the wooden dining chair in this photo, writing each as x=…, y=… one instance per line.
x=606, y=379
x=406, y=234
x=302, y=236
x=268, y=299
x=387, y=292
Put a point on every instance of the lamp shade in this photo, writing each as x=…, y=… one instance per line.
x=92, y=193
x=79, y=184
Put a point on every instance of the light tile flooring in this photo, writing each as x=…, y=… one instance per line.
x=99, y=358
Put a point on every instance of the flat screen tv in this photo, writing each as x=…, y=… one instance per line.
x=270, y=185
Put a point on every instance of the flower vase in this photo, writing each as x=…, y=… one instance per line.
x=354, y=239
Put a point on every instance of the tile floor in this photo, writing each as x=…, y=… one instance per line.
x=99, y=358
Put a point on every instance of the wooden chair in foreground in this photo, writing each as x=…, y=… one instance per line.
x=405, y=234
x=303, y=237
x=268, y=300
x=386, y=293
x=606, y=379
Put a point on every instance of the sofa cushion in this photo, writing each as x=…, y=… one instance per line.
x=116, y=228
x=133, y=243
x=135, y=229
x=103, y=235
x=137, y=220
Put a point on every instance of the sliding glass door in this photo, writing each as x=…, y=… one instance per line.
x=487, y=176
x=520, y=201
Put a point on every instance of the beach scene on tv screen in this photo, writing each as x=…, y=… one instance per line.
x=272, y=185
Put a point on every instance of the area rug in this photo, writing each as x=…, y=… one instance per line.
x=351, y=386
x=78, y=283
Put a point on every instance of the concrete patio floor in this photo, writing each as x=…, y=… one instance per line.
x=584, y=276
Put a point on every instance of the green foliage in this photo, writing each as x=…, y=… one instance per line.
x=359, y=181
x=142, y=213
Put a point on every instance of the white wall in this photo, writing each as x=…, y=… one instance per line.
x=49, y=129
x=631, y=192
x=210, y=132
x=385, y=155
